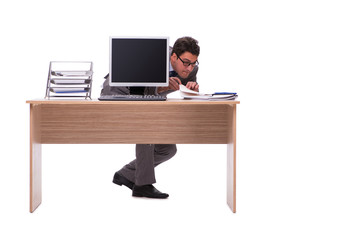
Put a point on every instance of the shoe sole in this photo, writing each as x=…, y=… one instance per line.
x=147, y=196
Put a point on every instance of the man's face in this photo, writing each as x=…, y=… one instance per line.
x=183, y=64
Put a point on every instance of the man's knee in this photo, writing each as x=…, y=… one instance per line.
x=172, y=150
x=166, y=151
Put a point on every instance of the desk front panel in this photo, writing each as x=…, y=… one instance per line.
x=138, y=123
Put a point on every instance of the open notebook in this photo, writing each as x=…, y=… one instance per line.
x=190, y=94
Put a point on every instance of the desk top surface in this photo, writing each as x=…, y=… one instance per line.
x=168, y=101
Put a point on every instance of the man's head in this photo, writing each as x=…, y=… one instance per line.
x=184, y=56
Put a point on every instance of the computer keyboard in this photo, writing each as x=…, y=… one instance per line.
x=132, y=98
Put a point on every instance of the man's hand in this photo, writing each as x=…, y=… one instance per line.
x=173, y=85
x=193, y=86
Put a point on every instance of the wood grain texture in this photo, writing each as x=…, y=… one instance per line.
x=137, y=123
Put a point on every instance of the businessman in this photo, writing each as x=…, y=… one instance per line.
x=139, y=174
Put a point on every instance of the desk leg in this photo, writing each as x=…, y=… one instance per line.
x=35, y=157
x=231, y=160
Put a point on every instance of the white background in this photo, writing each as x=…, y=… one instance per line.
x=295, y=65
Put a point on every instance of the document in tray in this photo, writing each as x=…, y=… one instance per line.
x=68, y=90
x=70, y=81
x=71, y=73
x=190, y=94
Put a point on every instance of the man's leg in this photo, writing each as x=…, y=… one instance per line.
x=145, y=178
x=144, y=164
x=141, y=170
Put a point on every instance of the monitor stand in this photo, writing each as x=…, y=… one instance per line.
x=137, y=90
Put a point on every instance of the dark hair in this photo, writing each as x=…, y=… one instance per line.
x=186, y=44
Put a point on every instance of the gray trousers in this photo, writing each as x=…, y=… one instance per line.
x=141, y=170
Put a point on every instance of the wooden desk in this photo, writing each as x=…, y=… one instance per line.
x=169, y=122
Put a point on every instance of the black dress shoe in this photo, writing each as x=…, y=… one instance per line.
x=148, y=191
x=121, y=180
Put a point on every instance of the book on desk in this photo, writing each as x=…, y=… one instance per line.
x=217, y=96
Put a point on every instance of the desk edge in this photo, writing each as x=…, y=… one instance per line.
x=45, y=101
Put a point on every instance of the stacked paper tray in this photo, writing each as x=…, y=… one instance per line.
x=69, y=79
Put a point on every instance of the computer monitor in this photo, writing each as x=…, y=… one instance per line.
x=139, y=61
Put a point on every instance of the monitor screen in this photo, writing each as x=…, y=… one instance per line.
x=139, y=61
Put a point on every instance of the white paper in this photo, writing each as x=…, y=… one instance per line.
x=190, y=94
x=184, y=89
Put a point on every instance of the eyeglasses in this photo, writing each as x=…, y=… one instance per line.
x=186, y=64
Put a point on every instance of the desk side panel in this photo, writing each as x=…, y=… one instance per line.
x=138, y=123
x=35, y=157
x=231, y=159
